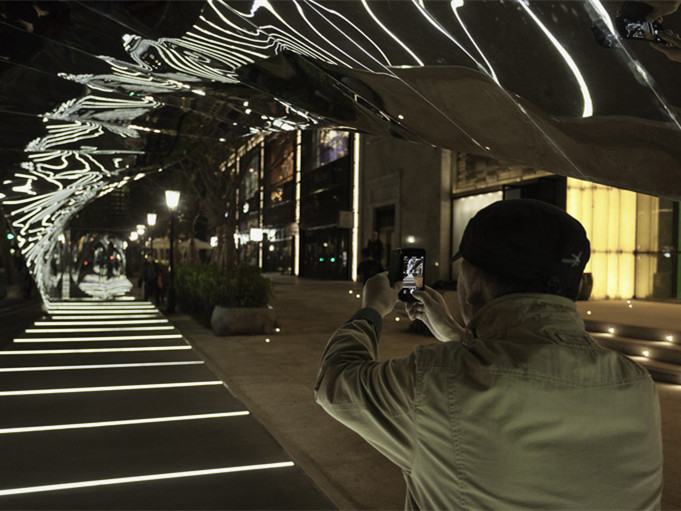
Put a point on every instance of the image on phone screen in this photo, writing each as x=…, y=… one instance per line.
x=413, y=272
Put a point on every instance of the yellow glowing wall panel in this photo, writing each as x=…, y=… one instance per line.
x=627, y=274
x=628, y=223
x=609, y=218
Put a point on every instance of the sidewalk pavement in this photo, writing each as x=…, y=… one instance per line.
x=273, y=375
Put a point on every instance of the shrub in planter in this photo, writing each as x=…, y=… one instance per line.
x=204, y=289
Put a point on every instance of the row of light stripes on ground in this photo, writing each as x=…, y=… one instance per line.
x=128, y=422
x=90, y=323
x=101, y=329
x=94, y=350
x=136, y=479
x=98, y=339
x=97, y=366
x=111, y=388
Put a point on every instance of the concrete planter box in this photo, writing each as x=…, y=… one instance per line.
x=242, y=320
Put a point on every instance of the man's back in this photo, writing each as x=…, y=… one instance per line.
x=526, y=412
x=531, y=413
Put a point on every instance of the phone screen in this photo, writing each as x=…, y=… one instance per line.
x=412, y=271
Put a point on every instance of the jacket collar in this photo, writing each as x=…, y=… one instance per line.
x=514, y=310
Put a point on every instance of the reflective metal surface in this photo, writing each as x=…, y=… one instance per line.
x=92, y=93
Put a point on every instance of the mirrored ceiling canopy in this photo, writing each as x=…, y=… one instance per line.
x=95, y=94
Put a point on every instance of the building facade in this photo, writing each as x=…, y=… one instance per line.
x=310, y=201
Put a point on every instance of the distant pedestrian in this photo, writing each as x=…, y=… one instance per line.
x=375, y=247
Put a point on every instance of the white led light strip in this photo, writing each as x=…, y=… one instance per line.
x=96, y=366
x=93, y=350
x=111, y=329
x=136, y=479
x=102, y=311
x=113, y=388
x=104, y=424
x=98, y=339
x=95, y=305
x=116, y=322
x=120, y=316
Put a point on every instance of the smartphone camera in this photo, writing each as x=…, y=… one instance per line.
x=631, y=23
x=409, y=266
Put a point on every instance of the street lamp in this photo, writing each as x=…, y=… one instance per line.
x=172, y=200
x=151, y=221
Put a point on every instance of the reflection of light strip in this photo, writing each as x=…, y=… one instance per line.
x=455, y=5
x=96, y=366
x=113, y=388
x=83, y=323
x=112, y=329
x=433, y=22
x=135, y=479
x=588, y=106
x=93, y=350
x=96, y=339
x=84, y=425
x=122, y=316
x=355, y=206
x=385, y=29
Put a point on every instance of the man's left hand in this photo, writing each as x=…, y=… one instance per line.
x=379, y=295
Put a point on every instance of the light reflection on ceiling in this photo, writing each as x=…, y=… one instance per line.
x=90, y=90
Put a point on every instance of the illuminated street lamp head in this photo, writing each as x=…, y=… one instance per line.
x=151, y=219
x=134, y=236
x=172, y=198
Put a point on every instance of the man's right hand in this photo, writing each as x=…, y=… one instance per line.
x=431, y=308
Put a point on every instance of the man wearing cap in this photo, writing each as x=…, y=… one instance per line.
x=522, y=409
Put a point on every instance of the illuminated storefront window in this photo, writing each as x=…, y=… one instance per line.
x=634, y=246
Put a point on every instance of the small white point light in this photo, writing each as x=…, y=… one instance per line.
x=267, y=340
x=611, y=330
x=646, y=353
x=669, y=338
x=358, y=295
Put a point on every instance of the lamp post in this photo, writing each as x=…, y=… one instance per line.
x=151, y=221
x=172, y=200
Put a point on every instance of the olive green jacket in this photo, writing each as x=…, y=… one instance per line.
x=525, y=412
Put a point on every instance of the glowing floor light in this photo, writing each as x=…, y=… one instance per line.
x=136, y=479
x=99, y=339
x=56, y=317
x=93, y=350
x=111, y=388
x=100, y=311
x=92, y=323
x=128, y=422
x=102, y=329
x=96, y=366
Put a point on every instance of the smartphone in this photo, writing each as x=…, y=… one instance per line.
x=631, y=23
x=409, y=266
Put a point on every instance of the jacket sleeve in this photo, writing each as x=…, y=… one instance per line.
x=374, y=399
